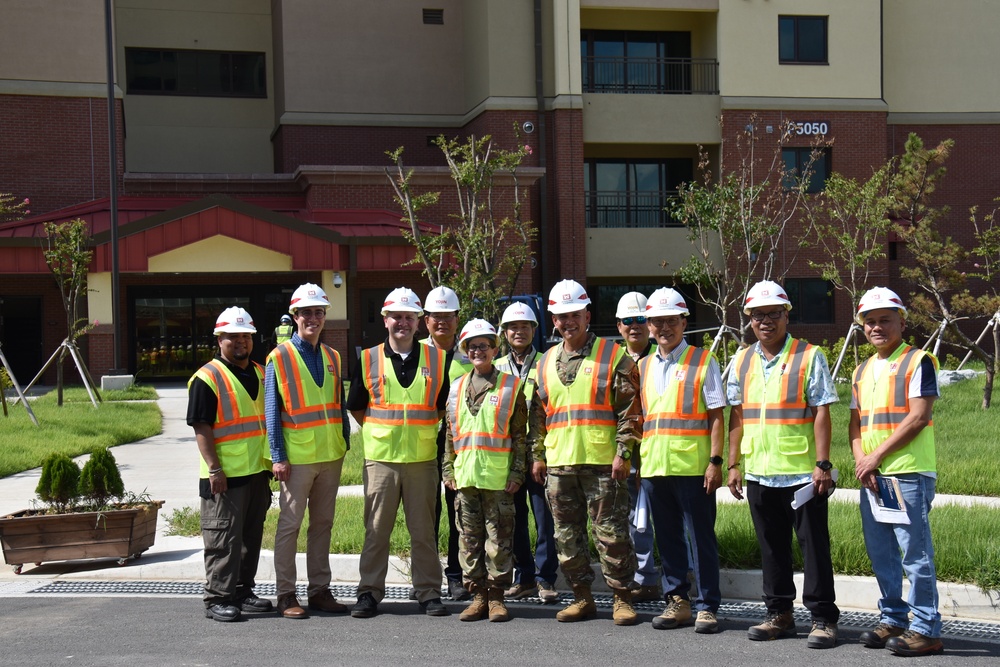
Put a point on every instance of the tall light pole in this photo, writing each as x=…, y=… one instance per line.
x=113, y=177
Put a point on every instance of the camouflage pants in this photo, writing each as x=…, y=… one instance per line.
x=485, y=520
x=576, y=492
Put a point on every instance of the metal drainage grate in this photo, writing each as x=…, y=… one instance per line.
x=744, y=610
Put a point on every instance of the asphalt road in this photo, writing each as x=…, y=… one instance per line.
x=109, y=631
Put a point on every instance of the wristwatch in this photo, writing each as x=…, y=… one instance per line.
x=715, y=460
x=824, y=465
x=626, y=454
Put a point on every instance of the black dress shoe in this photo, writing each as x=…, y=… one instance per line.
x=366, y=606
x=222, y=612
x=435, y=608
x=255, y=605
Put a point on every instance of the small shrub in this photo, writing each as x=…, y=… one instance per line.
x=100, y=479
x=59, y=485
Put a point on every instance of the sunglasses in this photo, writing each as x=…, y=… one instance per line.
x=774, y=316
x=629, y=321
x=479, y=347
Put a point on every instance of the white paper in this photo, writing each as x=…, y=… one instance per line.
x=640, y=518
x=805, y=494
x=884, y=514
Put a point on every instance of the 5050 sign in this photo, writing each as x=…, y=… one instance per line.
x=811, y=128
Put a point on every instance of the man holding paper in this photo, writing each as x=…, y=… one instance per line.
x=781, y=391
x=892, y=435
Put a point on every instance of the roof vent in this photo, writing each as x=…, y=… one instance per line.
x=433, y=17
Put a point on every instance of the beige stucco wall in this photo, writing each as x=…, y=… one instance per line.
x=685, y=119
x=344, y=56
x=499, y=60
x=219, y=254
x=58, y=41
x=748, y=50
x=167, y=133
x=99, y=297
x=941, y=56
x=641, y=250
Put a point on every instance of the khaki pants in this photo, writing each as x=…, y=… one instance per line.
x=312, y=485
x=416, y=485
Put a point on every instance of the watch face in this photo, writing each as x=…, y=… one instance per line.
x=824, y=465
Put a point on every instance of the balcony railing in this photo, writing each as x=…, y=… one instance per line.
x=663, y=76
x=630, y=209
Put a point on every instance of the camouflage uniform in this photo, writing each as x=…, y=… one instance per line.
x=578, y=491
x=485, y=518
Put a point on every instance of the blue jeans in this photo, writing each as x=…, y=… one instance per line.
x=895, y=549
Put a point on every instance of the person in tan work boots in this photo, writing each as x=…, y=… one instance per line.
x=583, y=427
x=484, y=464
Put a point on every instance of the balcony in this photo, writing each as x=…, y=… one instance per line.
x=633, y=209
x=650, y=76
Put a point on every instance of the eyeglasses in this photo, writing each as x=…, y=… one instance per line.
x=479, y=347
x=774, y=316
x=629, y=321
x=666, y=322
x=312, y=314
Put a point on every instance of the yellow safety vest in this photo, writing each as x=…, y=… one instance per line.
x=401, y=423
x=482, y=441
x=312, y=421
x=778, y=435
x=283, y=333
x=580, y=419
x=676, y=439
x=460, y=364
x=506, y=365
x=883, y=403
x=239, y=430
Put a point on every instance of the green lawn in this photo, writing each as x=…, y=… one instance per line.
x=76, y=427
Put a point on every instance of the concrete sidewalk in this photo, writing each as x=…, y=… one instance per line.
x=166, y=467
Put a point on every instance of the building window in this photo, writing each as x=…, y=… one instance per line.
x=632, y=192
x=195, y=73
x=802, y=40
x=433, y=17
x=800, y=162
x=634, y=61
x=812, y=300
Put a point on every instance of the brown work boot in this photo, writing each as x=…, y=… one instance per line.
x=647, y=594
x=498, y=610
x=776, y=625
x=880, y=634
x=706, y=623
x=324, y=601
x=581, y=608
x=289, y=607
x=677, y=613
x=547, y=593
x=624, y=613
x=477, y=609
x=912, y=643
x=822, y=635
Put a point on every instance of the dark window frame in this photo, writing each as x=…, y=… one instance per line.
x=802, y=156
x=809, y=309
x=670, y=69
x=797, y=48
x=189, y=77
x=635, y=205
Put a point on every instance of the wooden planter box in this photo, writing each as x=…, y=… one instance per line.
x=35, y=538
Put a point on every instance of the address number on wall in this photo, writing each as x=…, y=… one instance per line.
x=811, y=129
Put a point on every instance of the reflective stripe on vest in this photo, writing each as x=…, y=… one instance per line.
x=530, y=379
x=401, y=423
x=283, y=333
x=778, y=434
x=883, y=404
x=676, y=439
x=482, y=441
x=580, y=419
x=240, y=438
x=312, y=421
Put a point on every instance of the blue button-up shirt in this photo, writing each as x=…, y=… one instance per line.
x=274, y=405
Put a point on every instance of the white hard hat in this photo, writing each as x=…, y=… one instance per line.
x=567, y=296
x=518, y=312
x=665, y=302
x=476, y=329
x=441, y=299
x=306, y=296
x=285, y=319
x=234, y=320
x=766, y=293
x=876, y=298
x=402, y=299
x=631, y=305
